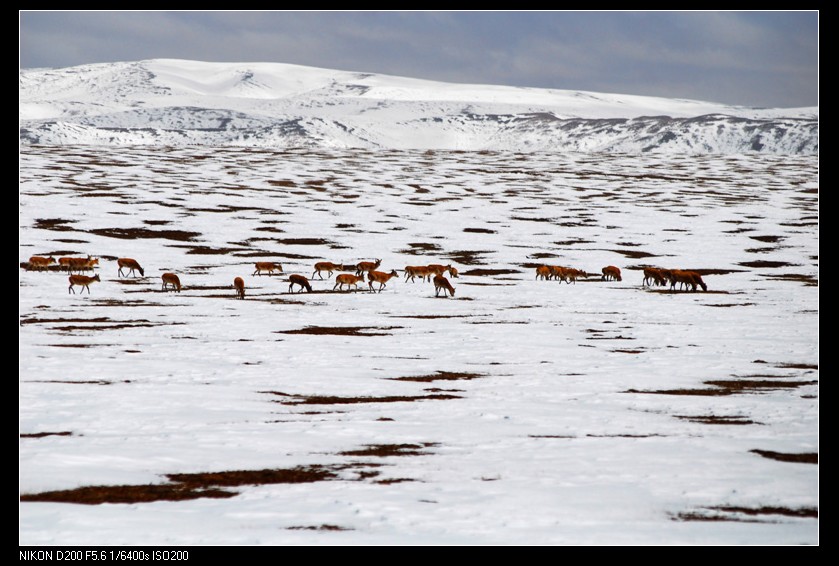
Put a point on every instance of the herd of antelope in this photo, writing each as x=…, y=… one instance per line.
x=351, y=276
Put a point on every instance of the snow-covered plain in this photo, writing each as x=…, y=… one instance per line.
x=595, y=413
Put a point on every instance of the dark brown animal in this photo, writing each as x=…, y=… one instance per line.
x=441, y=282
x=171, y=280
x=296, y=279
x=610, y=272
x=239, y=285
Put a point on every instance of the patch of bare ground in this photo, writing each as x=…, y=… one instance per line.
x=634, y=254
x=433, y=316
x=43, y=434
x=717, y=419
x=626, y=351
x=490, y=272
x=797, y=366
x=421, y=248
x=439, y=376
x=386, y=450
x=282, y=183
x=467, y=257
x=143, y=233
x=323, y=527
x=80, y=382
x=479, y=231
x=728, y=305
x=55, y=224
x=799, y=458
x=342, y=330
x=766, y=263
x=807, y=280
x=736, y=514
x=768, y=239
x=723, y=387
x=98, y=323
x=335, y=400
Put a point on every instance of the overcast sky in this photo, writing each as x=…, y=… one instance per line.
x=767, y=59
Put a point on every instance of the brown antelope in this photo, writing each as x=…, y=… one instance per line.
x=327, y=266
x=557, y=272
x=79, y=264
x=171, y=280
x=610, y=272
x=40, y=263
x=572, y=274
x=347, y=279
x=687, y=279
x=413, y=271
x=367, y=266
x=441, y=282
x=268, y=266
x=239, y=285
x=543, y=272
x=381, y=278
x=439, y=269
x=295, y=279
x=654, y=275
x=453, y=272
x=83, y=281
x=128, y=263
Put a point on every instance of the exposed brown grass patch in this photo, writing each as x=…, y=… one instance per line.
x=799, y=458
x=386, y=450
x=765, y=263
x=342, y=330
x=744, y=514
x=808, y=280
x=336, y=400
x=490, y=272
x=439, y=376
x=56, y=224
x=717, y=419
x=768, y=239
x=634, y=254
x=43, y=434
x=722, y=387
x=145, y=233
x=323, y=527
x=479, y=231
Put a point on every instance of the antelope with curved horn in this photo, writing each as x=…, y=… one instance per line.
x=171, y=280
x=130, y=264
x=381, y=278
x=441, y=282
x=82, y=281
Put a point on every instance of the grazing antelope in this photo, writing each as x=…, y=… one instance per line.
x=347, y=279
x=295, y=279
x=83, y=281
x=367, y=266
x=40, y=263
x=267, y=266
x=239, y=284
x=544, y=272
x=327, y=266
x=441, y=282
x=687, y=279
x=170, y=279
x=381, y=278
x=413, y=271
x=571, y=275
x=453, y=272
x=128, y=263
x=654, y=275
x=610, y=272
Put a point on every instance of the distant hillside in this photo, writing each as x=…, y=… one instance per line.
x=175, y=102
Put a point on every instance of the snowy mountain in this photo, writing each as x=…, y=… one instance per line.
x=178, y=103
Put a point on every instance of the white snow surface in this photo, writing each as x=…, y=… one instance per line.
x=601, y=412
x=178, y=102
